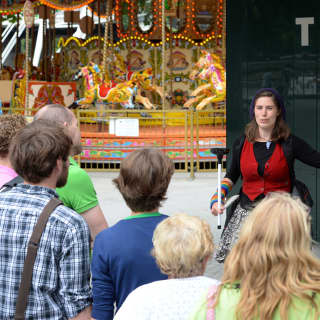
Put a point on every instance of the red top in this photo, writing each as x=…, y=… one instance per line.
x=276, y=176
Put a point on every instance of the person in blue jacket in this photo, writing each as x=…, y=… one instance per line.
x=122, y=259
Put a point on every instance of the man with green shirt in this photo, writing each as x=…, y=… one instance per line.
x=79, y=193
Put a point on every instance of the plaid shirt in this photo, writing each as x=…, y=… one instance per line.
x=61, y=276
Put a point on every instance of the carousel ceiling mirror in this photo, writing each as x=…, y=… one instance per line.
x=145, y=15
x=205, y=16
x=124, y=16
x=175, y=15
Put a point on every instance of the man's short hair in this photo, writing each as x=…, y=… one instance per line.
x=144, y=179
x=35, y=149
x=10, y=124
x=55, y=112
x=182, y=244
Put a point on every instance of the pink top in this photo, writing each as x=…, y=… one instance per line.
x=6, y=174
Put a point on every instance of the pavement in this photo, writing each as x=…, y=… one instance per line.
x=184, y=195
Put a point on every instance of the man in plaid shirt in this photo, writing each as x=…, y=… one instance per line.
x=60, y=286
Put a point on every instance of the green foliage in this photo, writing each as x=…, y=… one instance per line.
x=12, y=18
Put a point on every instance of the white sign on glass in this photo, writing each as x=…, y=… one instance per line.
x=124, y=127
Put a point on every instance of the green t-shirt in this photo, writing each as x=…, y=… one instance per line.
x=78, y=193
x=230, y=296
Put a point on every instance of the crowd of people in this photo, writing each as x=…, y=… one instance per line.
x=150, y=265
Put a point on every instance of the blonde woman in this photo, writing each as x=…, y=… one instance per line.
x=270, y=273
x=182, y=246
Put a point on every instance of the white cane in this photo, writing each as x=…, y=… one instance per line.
x=219, y=152
x=219, y=194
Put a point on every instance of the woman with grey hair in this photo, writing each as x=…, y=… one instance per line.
x=182, y=247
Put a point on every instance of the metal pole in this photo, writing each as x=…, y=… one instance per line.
x=17, y=42
x=219, y=152
x=219, y=194
x=191, y=146
x=163, y=53
x=0, y=41
x=99, y=25
x=27, y=72
x=105, y=45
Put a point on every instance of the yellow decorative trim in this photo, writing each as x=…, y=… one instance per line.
x=72, y=39
x=80, y=43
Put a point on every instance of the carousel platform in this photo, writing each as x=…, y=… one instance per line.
x=100, y=146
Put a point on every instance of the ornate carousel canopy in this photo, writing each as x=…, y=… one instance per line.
x=192, y=19
x=9, y=7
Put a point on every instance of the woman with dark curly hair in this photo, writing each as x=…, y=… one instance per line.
x=10, y=124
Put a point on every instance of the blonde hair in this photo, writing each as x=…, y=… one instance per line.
x=272, y=260
x=182, y=244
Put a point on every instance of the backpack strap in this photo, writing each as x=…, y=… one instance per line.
x=12, y=183
x=25, y=284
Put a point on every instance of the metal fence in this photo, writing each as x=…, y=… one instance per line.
x=107, y=136
x=185, y=136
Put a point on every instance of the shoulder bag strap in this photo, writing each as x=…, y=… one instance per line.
x=26, y=278
x=10, y=184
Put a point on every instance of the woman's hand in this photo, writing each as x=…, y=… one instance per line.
x=214, y=209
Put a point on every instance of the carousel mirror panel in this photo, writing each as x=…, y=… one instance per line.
x=175, y=15
x=144, y=15
x=205, y=16
x=124, y=16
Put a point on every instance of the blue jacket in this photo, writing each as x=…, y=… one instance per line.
x=122, y=261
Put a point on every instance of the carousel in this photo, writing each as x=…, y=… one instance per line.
x=146, y=73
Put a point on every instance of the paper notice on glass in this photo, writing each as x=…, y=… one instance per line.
x=127, y=127
x=112, y=126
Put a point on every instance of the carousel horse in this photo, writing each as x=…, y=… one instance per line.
x=210, y=69
x=107, y=91
x=145, y=81
x=117, y=68
x=126, y=91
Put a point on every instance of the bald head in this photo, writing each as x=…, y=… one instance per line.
x=61, y=115
x=55, y=112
